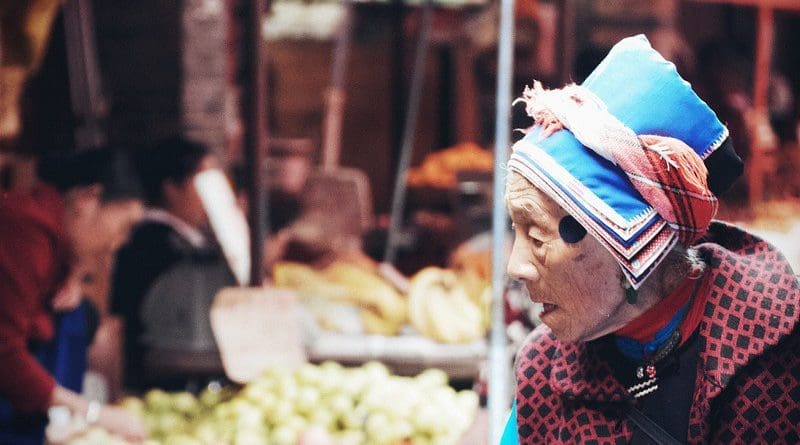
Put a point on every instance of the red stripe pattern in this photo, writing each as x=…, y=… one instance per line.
x=672, y=178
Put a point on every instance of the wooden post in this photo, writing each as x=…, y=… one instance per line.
x=758, y=165
x=254, y=116
x=763, y=56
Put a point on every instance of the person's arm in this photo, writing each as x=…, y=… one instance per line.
x=25, y=262
x=26, y=259
x=116, y=420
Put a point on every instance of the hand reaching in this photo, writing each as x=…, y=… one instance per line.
x=123, y=423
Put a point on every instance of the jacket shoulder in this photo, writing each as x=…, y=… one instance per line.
x=763, y=399
x=537, y=351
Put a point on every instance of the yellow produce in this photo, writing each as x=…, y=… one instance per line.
x=440, y=168
x=185, y=402
x=375, y=324
x=440, y=308
x=382, y=309
x=449, y=306
x=307, y=281
x=369, y=290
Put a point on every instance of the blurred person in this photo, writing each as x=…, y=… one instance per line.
x=660, y=325
x=83, y=204
x=172, y=246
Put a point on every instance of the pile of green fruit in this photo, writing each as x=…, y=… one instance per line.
x=363, y=405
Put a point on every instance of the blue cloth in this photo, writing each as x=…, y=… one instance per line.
x=510, y=435
x=65, y=358
x=639, y=351
x=72, y=340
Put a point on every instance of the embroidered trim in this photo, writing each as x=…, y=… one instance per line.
x=637, y=259
x=646, y=391
x=548, y=167
x=716, y=144
x=644, y=388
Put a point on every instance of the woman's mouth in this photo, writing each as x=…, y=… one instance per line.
x=547, y=308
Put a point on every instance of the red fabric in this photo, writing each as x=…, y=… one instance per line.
x=695, y=314
x=32, y=263
x=748, y=377
x=644, y=327
x=672, y=178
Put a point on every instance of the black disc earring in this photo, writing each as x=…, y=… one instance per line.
x=570, y=230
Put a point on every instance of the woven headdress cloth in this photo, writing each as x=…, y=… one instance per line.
x=623, y=154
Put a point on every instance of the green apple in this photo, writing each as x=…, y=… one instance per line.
x=134, y=405
x=250, y=418
x=210, y=397
x=181, y=439
x=309, y=374
x=377, y=426
x=251, y=437
x=295, y=423
x=356, y=419
x=170, y=422
x=433, y=377
x=185, y=402
x=339, y=404
x=283, y=436
x=158, y=400
x=307, y=400
x=255, y=393
x=282, y=411
x=267, y=403
x=351, y=437
x=206, y=432
x=323, y=418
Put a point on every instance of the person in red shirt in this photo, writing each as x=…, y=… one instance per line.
x=82, y=205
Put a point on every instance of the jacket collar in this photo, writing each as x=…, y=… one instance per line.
x=579, y=372
x=192, y=235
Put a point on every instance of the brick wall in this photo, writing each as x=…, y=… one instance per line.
x=203, y=89
x=163, y=65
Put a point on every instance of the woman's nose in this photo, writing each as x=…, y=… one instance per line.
x=520, y=264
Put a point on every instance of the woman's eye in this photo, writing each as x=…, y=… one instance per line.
x=535, y=238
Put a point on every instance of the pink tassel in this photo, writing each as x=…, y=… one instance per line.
x=679, y=155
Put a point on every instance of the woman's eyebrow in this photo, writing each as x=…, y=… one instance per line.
x=528, y=213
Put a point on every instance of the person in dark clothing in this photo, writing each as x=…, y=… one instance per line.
x=660, y=325
x=166, y=275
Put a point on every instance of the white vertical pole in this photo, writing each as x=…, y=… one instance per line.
x=498, y=358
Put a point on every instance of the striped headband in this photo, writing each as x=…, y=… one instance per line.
x=623, y=154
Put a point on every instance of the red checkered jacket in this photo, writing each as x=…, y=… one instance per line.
x=747, y=385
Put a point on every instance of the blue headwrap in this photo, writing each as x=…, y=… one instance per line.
x=643, y=91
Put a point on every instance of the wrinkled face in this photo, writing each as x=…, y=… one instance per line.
x=579, y=284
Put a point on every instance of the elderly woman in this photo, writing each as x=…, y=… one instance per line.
x=659, y=325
